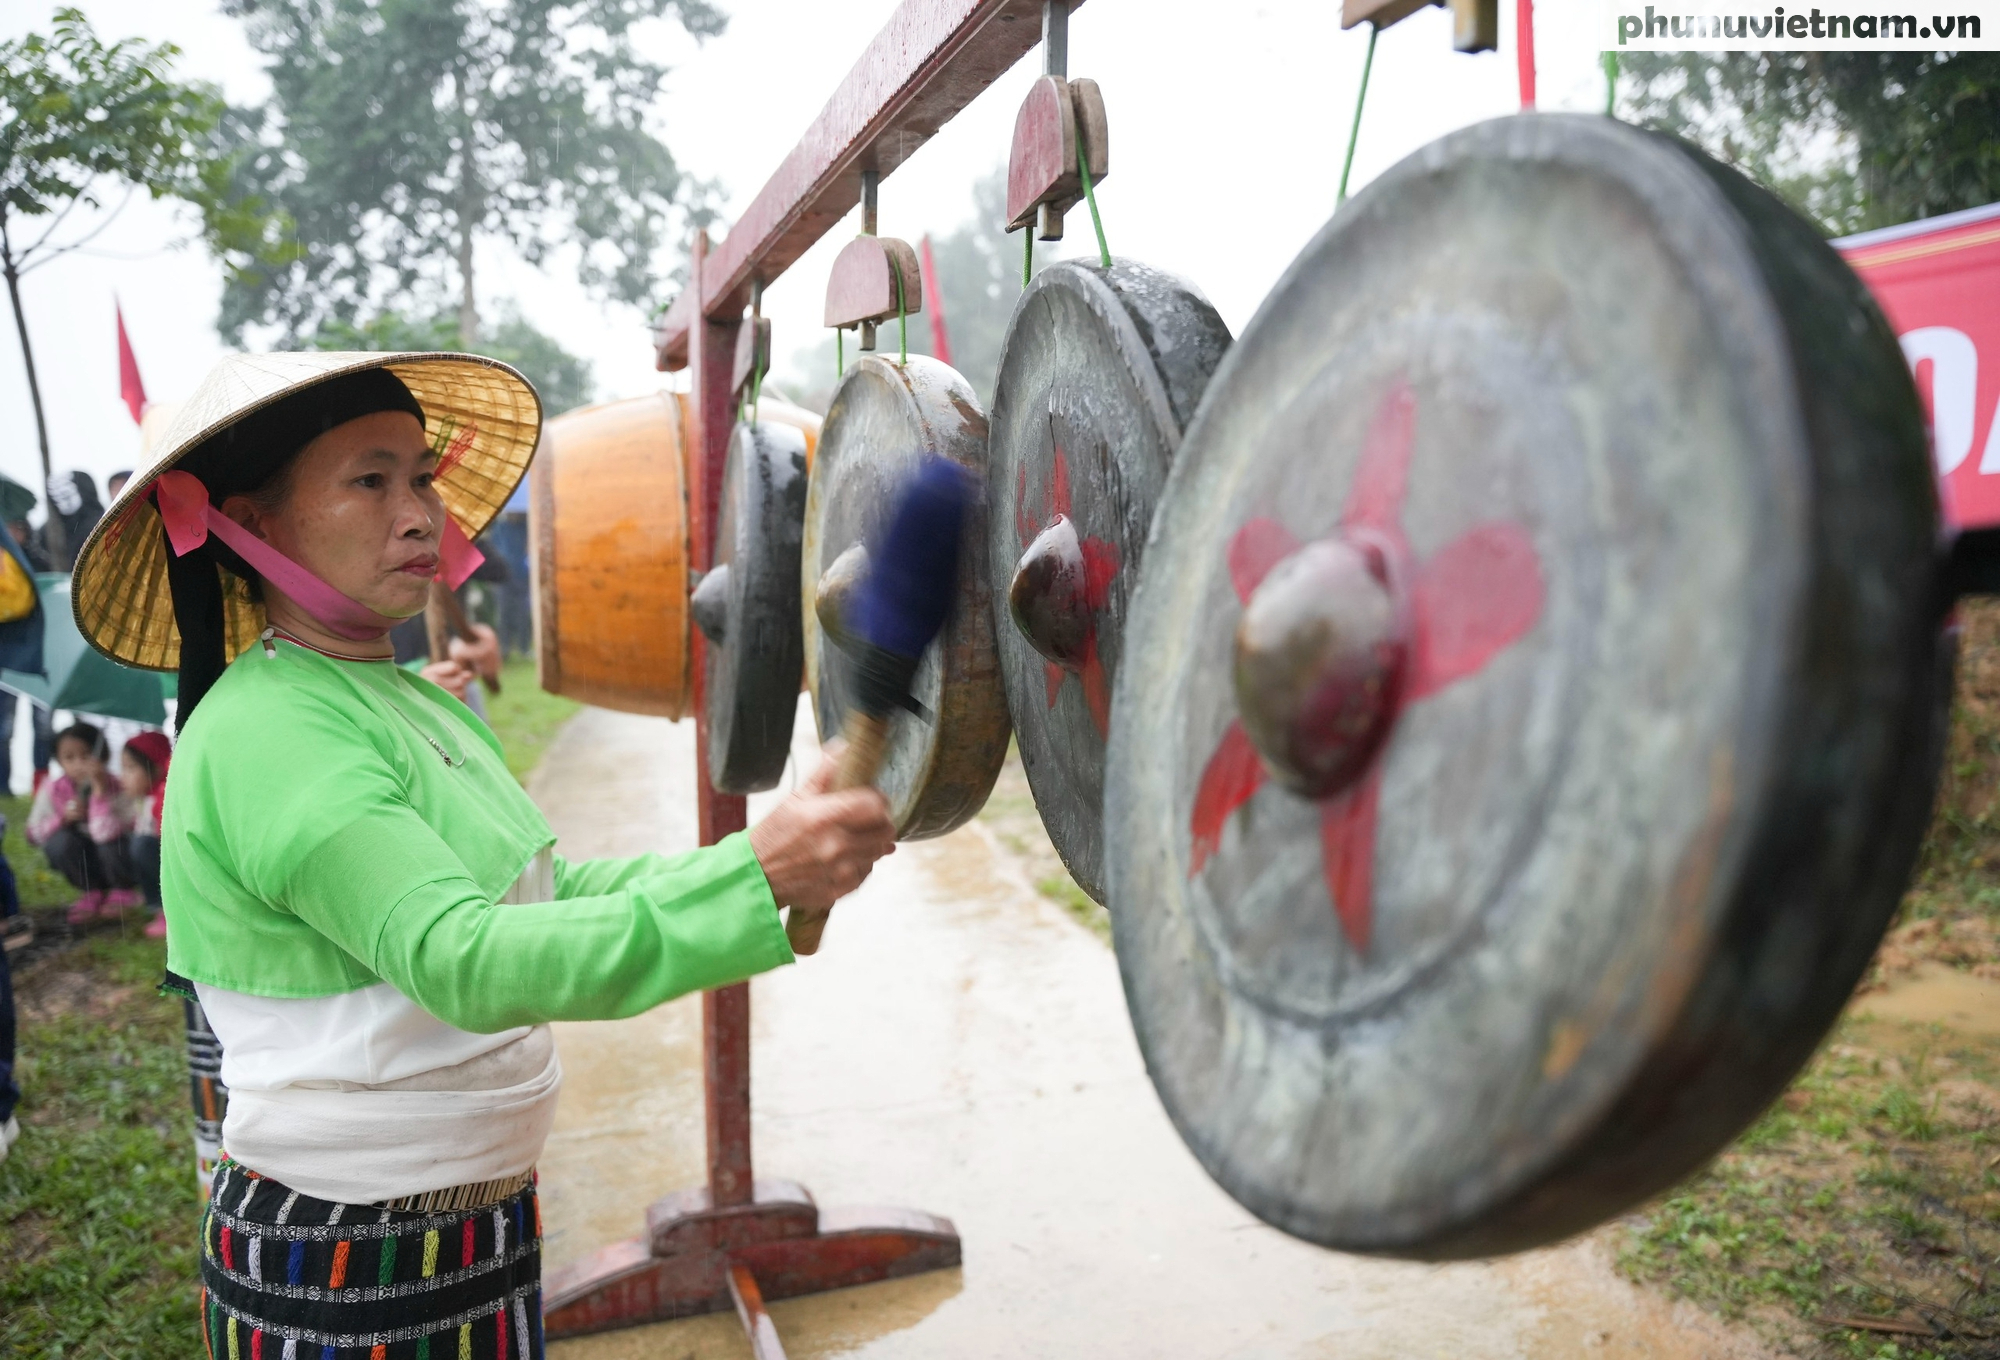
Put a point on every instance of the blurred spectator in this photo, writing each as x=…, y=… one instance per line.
x=507, y=541
x=41, y=749
x=456, y=672
x=16, y=504
x=16, y=932
x=10, y=1128
x=21, y=635
x=81, y=820
x=72, y=495
x=31, y=545
x=142, y=774
x=115, y=483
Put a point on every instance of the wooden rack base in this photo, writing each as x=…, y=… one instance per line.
x=697, y=1257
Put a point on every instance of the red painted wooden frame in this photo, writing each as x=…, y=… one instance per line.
x=738, y=1241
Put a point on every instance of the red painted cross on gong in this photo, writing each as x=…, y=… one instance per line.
x=1469, y=601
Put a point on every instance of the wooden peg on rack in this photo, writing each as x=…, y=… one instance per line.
x=753, y=353
x=1058, y=117
x=875, y=278
x=1475, y=24
x=1042, y=178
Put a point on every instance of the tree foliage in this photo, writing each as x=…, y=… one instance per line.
x=1852, y=139
x=80, y=118
x=564, y=380
x=78, y=115
x=399, y=132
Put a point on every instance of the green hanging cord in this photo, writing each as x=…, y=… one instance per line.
x=902, y=321
x=839, y=366
x=1028, y=254
x=756, y=389
x=1367, y=65
x=1610, y=84
x=1090, y=197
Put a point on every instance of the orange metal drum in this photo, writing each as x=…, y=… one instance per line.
x=608, y=520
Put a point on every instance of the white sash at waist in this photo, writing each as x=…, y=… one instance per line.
x=362, y=1144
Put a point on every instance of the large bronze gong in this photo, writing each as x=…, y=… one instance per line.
x=1100, y=372
x=1541, y=695
x=747, y=606
x=939, y=764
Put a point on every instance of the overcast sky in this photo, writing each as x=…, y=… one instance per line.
x=1228, y=124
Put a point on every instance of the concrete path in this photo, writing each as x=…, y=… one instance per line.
x=960, y=1045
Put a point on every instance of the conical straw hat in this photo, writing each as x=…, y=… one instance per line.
x=120, y=594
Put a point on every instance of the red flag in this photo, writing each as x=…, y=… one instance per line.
x=934, y=302
x=129, y=385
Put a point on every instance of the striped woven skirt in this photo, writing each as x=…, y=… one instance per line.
x=289, y=1277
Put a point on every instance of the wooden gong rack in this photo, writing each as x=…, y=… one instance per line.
x=737, y=1241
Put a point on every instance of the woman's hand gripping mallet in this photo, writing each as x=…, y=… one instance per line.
x=901, y=606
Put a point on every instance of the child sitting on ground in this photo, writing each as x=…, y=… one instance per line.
x=142, y=774
x=80, y=819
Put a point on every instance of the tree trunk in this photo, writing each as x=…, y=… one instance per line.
x=53, y=534
x=468, y=216
x=468, y=314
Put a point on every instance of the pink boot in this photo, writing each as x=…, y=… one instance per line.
x=118, y=899
x=85, y=909
x=156, y=929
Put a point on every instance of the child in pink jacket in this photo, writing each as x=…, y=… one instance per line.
x=81, y=819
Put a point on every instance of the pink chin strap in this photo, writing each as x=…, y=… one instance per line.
x=190, y=519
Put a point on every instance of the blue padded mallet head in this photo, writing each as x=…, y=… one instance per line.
x=911, y=583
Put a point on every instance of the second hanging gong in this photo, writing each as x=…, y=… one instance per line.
x=885, y=416
x=1101, y=370
x=747, y=607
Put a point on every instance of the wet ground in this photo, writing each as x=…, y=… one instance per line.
x=1934, y=994
x=960, y=1045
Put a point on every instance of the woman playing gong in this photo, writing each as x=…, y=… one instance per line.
x=364, y=901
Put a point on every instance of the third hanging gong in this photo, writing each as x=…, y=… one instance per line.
x=1101, y=370
x=1539, y=694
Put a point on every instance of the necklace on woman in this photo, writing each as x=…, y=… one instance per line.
x=297, y=641
x=265, y=637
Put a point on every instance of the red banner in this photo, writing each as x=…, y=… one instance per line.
x=129, y=385
x=1939, y=282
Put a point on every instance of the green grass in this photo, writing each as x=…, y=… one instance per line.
x=1865, y=1194
x=1011, y=816
x=525, y=717
x=40, y=885
x=1061, y=889
x=98, y=1205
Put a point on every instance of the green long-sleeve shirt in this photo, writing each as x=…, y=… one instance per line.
x=332, y=824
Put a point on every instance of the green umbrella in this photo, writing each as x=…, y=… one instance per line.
x=81, y=678
x=15, y=500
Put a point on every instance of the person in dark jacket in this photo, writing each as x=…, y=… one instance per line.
x=73, y=496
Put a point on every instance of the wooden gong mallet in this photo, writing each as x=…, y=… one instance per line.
x=900, y=607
